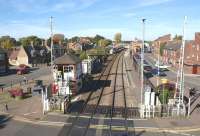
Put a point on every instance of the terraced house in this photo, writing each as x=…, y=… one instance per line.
x=171, y=54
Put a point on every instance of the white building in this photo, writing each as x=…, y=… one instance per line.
x=68, y=74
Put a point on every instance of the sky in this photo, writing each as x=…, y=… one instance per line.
x=20, y=18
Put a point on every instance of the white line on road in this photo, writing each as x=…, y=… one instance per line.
x=29, y=113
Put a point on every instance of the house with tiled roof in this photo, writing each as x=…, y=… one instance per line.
x=18, y=56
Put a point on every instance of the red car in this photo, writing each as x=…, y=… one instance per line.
x=22, y=69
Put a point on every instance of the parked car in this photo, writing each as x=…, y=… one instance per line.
x=22, y=69
x=161, y=66
x=147, y=68
x=158, y=72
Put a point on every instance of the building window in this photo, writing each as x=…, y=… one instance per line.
x=68, y=69
x=192, y=55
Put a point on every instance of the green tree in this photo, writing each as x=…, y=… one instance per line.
x=83, y=55
x=27, y=40
x=74, y=39
x=178, y=37
x=162, y=46
x=118, y=37
x=7, y=42
x=104, y=42
x=97, y=38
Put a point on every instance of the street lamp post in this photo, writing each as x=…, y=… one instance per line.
x=142, y=60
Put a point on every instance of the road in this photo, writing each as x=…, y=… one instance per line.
x=171, y=75
x=17, y=128
x=6, y=80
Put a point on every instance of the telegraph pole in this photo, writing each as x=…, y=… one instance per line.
x=182, y=61
x=142, y=60
x=181, y=93
x=51, y=27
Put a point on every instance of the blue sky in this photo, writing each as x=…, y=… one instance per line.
x=20, y=18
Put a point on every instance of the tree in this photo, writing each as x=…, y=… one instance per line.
x=97, y=38
x=104, y=42
x=7, y=42
x=83, y=55
x=74, y=39
x=162, y=48
x=118, y=37
x=178, y=37
x=27, y=40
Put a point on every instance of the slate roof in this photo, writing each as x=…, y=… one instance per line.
x=173, y=45
x=67, y=59
x=164, y=38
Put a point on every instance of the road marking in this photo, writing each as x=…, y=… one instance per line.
x=45, y=123
x=29, y=113
x=95, y=117
x=99, y=131
x=138, y=129
x=184, y=134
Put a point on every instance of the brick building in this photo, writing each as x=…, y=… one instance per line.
x=136, y=46
x=158, y=42
x=192, y=55
x=171, y=54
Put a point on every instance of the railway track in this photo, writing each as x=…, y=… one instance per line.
x=99, y=98
x=112, y=109
x=124, y=95
x=85, y=105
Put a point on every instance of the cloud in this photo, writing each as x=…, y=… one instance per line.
x=45, y=6
x=129, y=14
x=144, y=3
x=19, y=29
